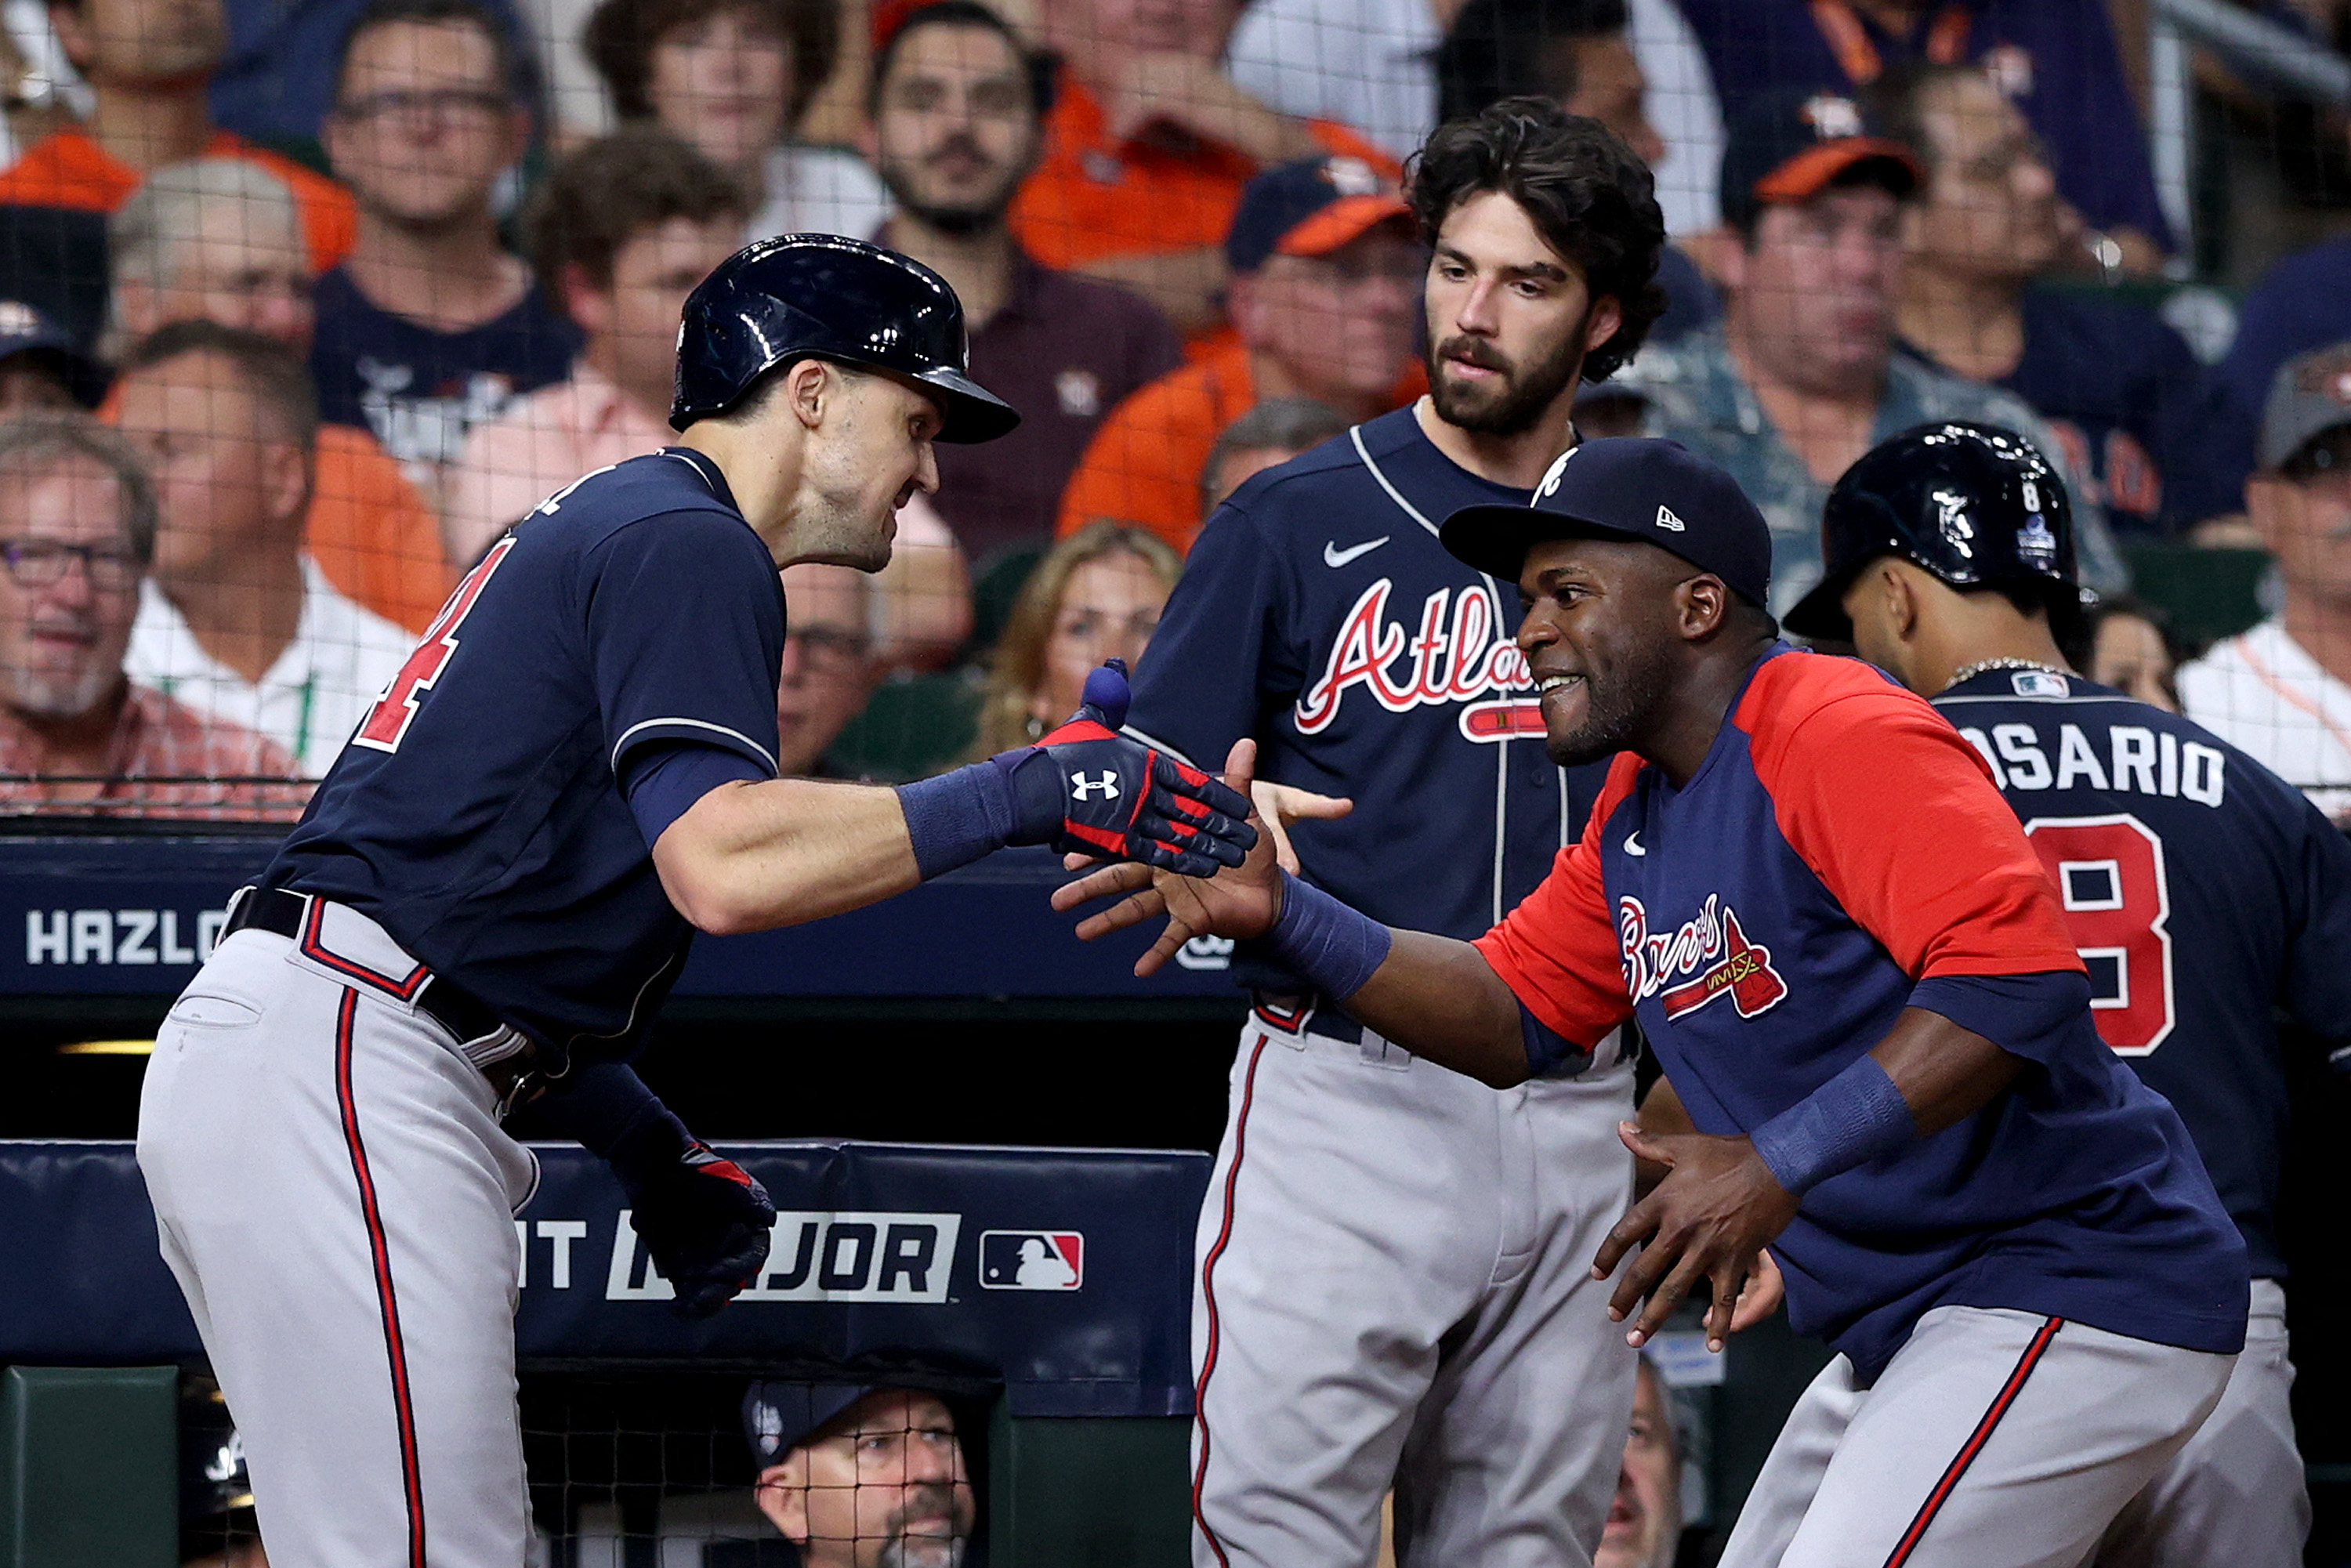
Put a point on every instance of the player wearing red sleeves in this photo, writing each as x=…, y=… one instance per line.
x=1856, y=976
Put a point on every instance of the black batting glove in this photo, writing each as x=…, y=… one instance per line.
x=1085, y=788
x=704, y=1219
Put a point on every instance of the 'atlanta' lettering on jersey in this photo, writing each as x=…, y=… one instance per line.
x=2203, y=894
x=1841, y=851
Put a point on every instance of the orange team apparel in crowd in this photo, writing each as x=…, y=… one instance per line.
x=69, y=169
x=367, y=528
x=1092, y=196
x=1144, y=465
x=157, y=759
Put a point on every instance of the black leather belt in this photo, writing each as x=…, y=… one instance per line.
x=456, y=1009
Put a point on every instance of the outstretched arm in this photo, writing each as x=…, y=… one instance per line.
x=751, y=856
x=1435, y=996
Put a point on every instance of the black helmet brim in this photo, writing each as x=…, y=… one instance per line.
x=973, y=413
x=1819, y=616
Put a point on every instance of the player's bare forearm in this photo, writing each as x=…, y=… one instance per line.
x=753, y=857
x=1944, y=1071
x=1439, y=999
x=1662, y=1115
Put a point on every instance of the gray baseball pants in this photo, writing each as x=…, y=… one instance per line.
x=1993, y=1439
x=334, y=1194
x=1393, y=1289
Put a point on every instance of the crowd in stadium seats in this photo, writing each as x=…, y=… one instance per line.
x=361, y=283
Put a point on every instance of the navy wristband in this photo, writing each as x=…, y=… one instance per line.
x=954, y=818
x=1330, y=946
x=1856, y=1117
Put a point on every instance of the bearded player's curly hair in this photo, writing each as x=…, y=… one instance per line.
x=1591, y=199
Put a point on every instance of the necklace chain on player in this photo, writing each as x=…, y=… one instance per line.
x=1967, y=673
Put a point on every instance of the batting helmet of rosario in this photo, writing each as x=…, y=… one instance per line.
x=833, y=298
x=1975, y=505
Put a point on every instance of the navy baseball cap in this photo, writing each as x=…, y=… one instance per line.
x=779, y=1415
x=1627, y=487
x=1790, y=144
x=26, y=331
x=1312, y=207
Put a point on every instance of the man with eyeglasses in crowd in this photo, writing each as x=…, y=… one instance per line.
x=1325, y=300
x=430, y=326
x=77, y=532
x=829, y=667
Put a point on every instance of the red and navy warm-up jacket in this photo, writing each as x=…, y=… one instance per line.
x=1840, y=855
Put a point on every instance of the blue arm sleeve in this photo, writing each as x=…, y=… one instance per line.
x=606, y=1108
x=2031, y=1016
x=662, y=782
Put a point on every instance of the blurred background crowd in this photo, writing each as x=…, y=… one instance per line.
x=303, y=302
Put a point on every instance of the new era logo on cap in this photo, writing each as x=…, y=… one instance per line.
x=1667, y=520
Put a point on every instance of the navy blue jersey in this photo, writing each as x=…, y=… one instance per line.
x=476, y=813
x=420, y=389
x=2203, y=893
x=2125, y=395
x=1318, y=614
x=1840, y=856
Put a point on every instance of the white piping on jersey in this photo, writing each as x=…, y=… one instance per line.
x=621, y=745
x=1502, y=743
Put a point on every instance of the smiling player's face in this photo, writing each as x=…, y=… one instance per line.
x=866, y=457
x=1599, y=636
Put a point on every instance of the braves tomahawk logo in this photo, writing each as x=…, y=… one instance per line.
x=1709, y=949
x=1458, y=656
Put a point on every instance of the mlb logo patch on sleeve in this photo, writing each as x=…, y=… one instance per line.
x=1032, y=1260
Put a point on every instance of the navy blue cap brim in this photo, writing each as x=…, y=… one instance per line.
x=1494, y=537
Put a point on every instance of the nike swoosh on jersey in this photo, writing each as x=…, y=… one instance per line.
x=1335, y=558
x=1633, y=843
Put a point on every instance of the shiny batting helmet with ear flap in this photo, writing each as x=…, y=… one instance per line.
x=1975, y=505
x=827, y=296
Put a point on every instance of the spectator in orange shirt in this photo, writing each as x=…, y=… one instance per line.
x=77, y=522
x=217, y=240
x=150, y=64
x=1326, y=271
x=1149, y=147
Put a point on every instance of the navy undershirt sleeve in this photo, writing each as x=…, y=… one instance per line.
x=662, y=782
x=2031, y=1016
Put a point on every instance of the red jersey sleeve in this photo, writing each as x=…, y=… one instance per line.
x=1897, y=816
x=1558, y=950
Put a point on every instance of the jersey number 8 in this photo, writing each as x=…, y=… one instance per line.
x=2109, y=872
x=388, y=720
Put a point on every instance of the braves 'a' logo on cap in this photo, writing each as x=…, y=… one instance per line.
x=1710, y=948
x=1550, y=486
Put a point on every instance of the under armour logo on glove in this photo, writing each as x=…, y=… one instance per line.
x=1126, y=798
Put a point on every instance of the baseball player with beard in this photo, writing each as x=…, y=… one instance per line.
x=1393, y=1284
x=1858, y=977
x=499, y=877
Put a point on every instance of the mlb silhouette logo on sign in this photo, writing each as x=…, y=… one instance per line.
x=1032, y=1260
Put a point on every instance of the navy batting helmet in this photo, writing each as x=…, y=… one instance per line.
x=827, y=296
x=1975, y=505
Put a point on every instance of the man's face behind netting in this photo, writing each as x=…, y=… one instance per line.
x=883, y=1485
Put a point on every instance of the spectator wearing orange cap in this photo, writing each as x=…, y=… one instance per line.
x=1326, y=269
x=1148, y=147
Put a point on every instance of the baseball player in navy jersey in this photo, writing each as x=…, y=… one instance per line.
x=1392, y=1282
x=498, y=879
x=1860, y=982
x=2202, y=891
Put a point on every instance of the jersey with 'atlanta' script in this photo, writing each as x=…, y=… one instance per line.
x=1839, y=856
